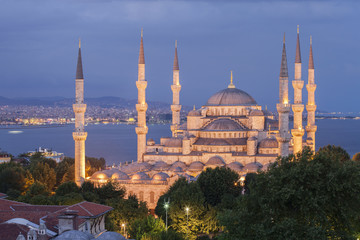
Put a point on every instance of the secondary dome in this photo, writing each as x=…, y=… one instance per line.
x=160, y=176
x=118, y=175
x=230, y=96
x=269, y=142
x=140, y=176
x=99, y=175
x=223, y=124
x=215, y=161
x=196, y=166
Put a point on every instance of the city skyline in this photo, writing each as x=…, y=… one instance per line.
x=38, y=48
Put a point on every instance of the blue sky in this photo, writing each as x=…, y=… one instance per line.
x=38, y=47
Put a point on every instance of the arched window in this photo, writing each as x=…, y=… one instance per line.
x=141, y=196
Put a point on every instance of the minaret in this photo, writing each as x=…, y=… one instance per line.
x=175, y=88
x=283, y=107
x=79, y=135
x=141, y=106
x=311, y=106
x=298, y=108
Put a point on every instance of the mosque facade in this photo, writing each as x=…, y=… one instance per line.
x=230, y=130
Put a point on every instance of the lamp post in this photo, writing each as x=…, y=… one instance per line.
x=124, y=226
x=166, y=206
x=187, y=221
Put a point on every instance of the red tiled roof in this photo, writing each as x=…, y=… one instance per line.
x=35, y=208
x=3, y=195
x=12, y=230
x=5, y=205
x=31, y=216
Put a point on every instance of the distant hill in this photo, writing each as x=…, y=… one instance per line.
x=105, y=102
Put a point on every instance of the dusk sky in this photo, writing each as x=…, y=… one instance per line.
x=39, y=41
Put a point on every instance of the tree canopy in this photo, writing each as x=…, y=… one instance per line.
x=301, y=197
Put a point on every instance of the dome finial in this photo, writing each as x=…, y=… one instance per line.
x=231, y=85
x=79, y=43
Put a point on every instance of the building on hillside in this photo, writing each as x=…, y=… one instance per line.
x=230, y=130
x=4, y=157
x=48, y=153
x=51, y=221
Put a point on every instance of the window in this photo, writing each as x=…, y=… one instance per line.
x=152, y=196
x=141, y=196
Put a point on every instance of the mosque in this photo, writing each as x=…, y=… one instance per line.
x=230, y=130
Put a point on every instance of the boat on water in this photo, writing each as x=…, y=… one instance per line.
x=15, y=132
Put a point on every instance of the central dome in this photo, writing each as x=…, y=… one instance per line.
x=230, y=96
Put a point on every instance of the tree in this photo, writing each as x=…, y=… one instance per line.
x=334, y=153
x=66, y=188
x=201, y=217
x=125, y=212
x=62, y=168
x=302, y=197
x=215, y=183
x=110, y=190
x=148, y=226
x=13, y=176
x=356, y=157
x=44, y=174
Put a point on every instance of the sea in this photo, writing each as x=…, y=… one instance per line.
x=117, y=142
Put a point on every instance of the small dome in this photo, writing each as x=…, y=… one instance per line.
x=235, y=166
x=215, y=161
x=140, y=176
x=160, y=176
x=256, y=112
x=224, y=124
x=194, y=113
x=232, y=97
x=160, y=166
x=173, y=142
x=176, y=164
x=178, y=169
x=136, y=167
x=252, y=167
x=267, y=113
x=150, y=142
x=99, y=175
x=196, y=166
x=111, y=236
x=74, y=235
x=118, y=175
x=269, y=142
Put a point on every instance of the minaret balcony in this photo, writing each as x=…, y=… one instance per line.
x=311, y=87
x=176, y=108
x=79, y=136
x=283, y=107
x=175, y=88
x=311, y=108
x=284, y=138
x=298, y=107
x=141, y=130
x=297, y=132
x=141, y=107
x=298, y=84
x=311, y=128
x=141, y=84
x=79, y=107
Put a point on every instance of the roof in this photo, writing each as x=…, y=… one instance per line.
x=79, y=69
x=196, y=166
x=283, y=66
x=232, y=97
x=5, y=205
x=176, y=61
x=173, y=142
x=3, y=195
x=12, y=230
x=220, y=141
x=269, y=142
x=215, y=161
x=224, y=125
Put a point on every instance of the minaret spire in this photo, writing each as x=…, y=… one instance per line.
x=298, y=107
x=79, y=69
x=175, y=88
x=79, y=134
x=141, y=107
x=311, y=106
x=283, y=107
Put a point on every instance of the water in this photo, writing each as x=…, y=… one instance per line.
x=117, y=143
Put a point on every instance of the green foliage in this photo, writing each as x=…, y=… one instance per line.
x=332, y=152
x=148, y=226
x=68, y=199
x=356, y=157
x=125, y=211
x=110, y=190
x=13, y=176
x=303, y=197
x=43, y=173
x=201, y=217
x=66, y=188
x=93, y=165
x=62, y=168
x=215, y=183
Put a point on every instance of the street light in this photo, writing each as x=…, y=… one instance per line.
x=124, y=226
x=166, y=206
x=187, y=221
